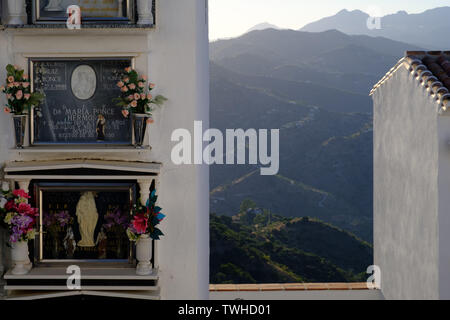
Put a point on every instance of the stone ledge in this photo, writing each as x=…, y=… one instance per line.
x=288, y=287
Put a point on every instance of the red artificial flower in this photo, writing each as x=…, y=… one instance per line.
x=21, y=193
x=140, y=223
x=26, y=209
x=10, y=206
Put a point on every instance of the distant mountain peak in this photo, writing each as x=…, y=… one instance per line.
x=426, y=29
x=263, y=26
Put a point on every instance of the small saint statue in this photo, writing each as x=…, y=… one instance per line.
x=69, y=243
x=101, y=122
x=54, y=5
x=102, y=243
x=87, y=219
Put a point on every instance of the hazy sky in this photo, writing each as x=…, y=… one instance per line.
x=230, y=18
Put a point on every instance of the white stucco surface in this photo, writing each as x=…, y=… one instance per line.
x=174, y=55
x=406, y=223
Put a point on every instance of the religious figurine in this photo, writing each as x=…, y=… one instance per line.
x=87, y=219
x=101, y=121
x=54, y=5
x=69, y=243
x=102, y=242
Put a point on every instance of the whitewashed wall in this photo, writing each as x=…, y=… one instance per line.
x=175, y=57
x=406, y=231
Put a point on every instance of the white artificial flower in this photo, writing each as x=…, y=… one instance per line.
x=3, y=202
x=5, y=186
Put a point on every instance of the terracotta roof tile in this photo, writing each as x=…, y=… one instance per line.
x=431, y=69
x=288, y=287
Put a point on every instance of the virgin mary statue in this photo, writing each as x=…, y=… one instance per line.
x=87, y=219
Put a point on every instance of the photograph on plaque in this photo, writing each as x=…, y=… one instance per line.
x=91, y=10
x=78, y=106
x=84, y=223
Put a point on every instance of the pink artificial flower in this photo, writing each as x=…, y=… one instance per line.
x=130, y=97
x=20, y=193
x=10, y=85
x=7, y=110
x=25, y=77
x=16, y=84
x=126, y=80
x=125, y=113
x=150, y=121
x=120, y=84
x=10, y=79
x=151, y=85
x=19, y=95
x=143, y=96
x=132, y=86
x=25, y=84
x=144, y=78
x=137, y=96
x=124, y=89
x=141, y=85
x=133, y=104
x=140, y=223
x=27, y=96
x=149, y=96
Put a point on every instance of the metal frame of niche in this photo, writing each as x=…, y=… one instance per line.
x=37, y=18
x=31, y=124
x=40, y=187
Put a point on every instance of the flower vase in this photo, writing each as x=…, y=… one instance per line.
x=19, y=257
x=139, y=128
x=16, y=9
x=143, y=255
x=20, y=122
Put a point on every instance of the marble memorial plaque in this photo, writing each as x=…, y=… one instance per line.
x=78, y=107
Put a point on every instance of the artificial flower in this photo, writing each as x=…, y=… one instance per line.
x=21, y=193
x=133, y=104
x=10, y=79
x=140, y=223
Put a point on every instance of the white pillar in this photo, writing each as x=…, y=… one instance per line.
x=144, y=186
x=16, y=9
x=145, y=13
x=24, y=184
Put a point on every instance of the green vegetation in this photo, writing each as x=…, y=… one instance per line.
x=256, y=246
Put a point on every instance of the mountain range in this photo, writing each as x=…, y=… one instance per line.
x=313, y=85
x=427, y=29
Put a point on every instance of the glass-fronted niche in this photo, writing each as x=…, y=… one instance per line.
x=84, y=222
x=94, y=11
